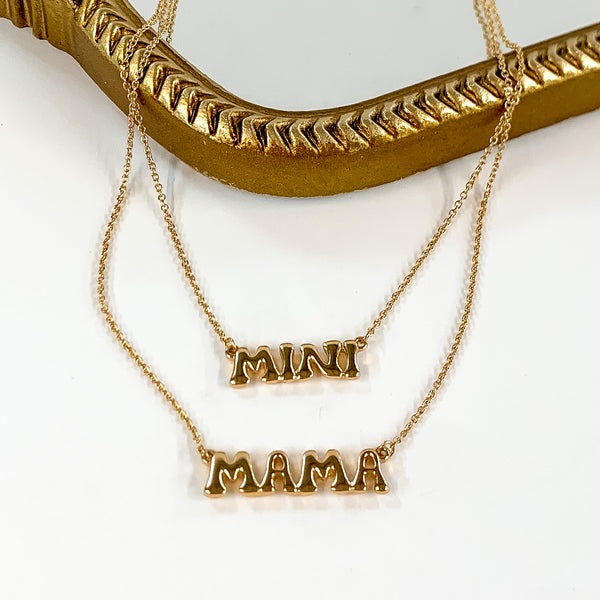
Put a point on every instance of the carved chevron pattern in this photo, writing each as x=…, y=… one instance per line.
x=231, y=122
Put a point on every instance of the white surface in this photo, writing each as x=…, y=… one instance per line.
x=495, y=496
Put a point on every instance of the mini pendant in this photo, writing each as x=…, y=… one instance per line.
x=278, y=478
x=339, y=361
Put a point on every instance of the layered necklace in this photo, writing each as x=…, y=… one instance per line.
x=338, y=359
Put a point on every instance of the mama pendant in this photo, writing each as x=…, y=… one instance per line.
x=278, y=477
x=339, y=361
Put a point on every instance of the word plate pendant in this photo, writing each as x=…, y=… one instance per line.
x=339, y=361
x=278, y=476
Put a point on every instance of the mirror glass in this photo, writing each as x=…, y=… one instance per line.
x=314, y=54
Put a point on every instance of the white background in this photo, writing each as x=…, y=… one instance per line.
x=496, y=494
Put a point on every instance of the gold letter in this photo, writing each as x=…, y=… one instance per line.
x=219, y=466
x=331, y=464
x=368, y=462
x=310, y=356
x=287, y=355
x=351, y=371
x=243, y=360
x=277, y=467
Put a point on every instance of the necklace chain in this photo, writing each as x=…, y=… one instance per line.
x=489, y=19
x=164, y=20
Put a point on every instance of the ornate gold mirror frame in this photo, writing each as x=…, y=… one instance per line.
x=320, y=152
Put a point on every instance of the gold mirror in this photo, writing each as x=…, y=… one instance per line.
x=300, y=151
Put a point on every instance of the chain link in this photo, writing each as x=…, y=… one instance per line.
x=164, y=18
x=493, y=30
x=488, y=16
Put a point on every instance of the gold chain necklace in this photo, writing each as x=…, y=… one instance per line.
x=340, y=358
